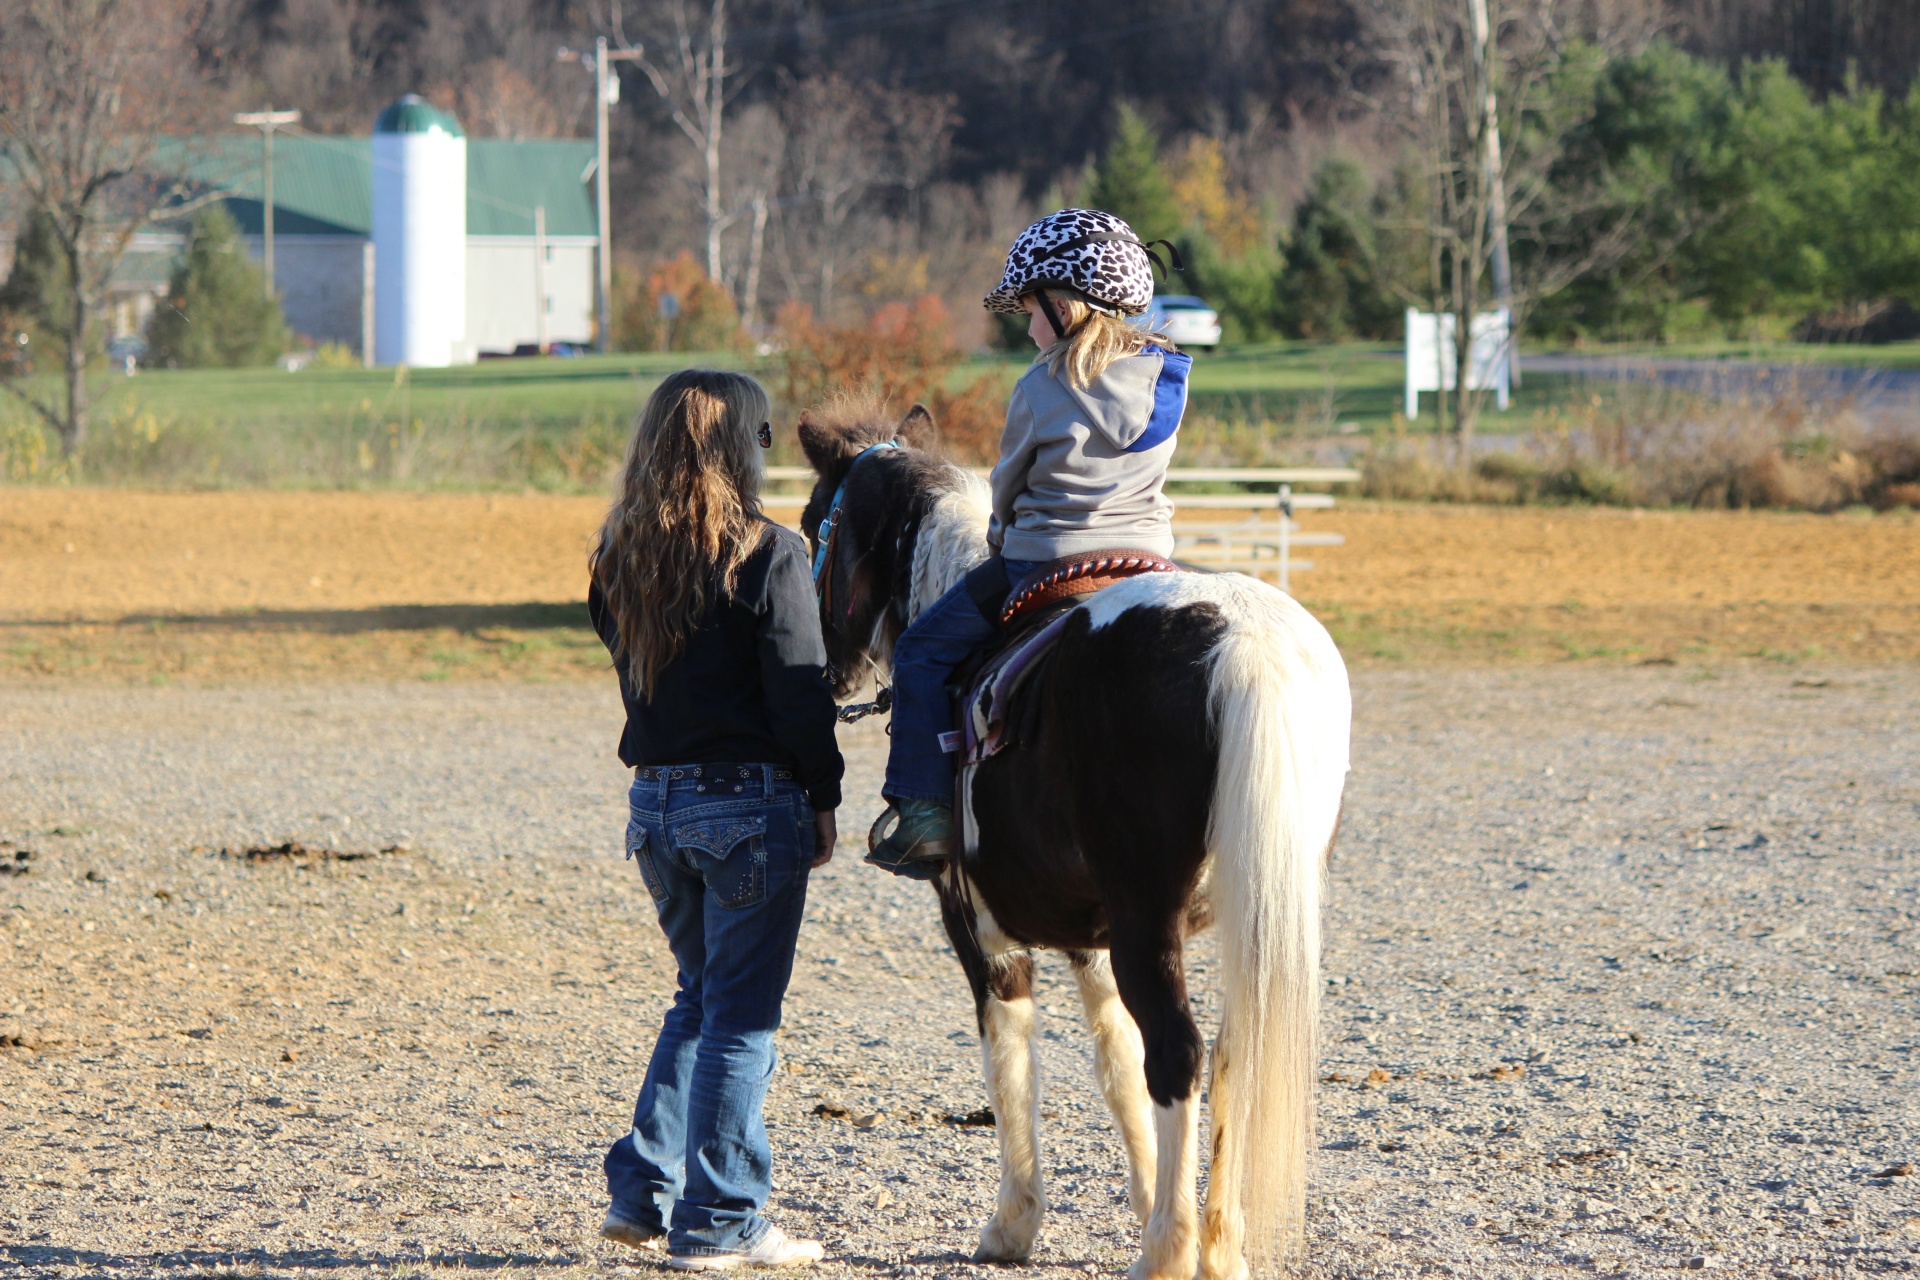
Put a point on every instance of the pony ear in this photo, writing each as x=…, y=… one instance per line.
x=823, y=445
x=919, y=429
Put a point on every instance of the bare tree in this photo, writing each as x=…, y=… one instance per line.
x=920, y=133
x=1461, y=75
x=683, y=52
x=848, y=144
x=836, y=157
x=754, y=163
x=87, y=89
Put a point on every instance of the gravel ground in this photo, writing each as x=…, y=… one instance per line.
x=1621, y=979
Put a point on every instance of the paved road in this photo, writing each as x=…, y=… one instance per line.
x=1878, y=393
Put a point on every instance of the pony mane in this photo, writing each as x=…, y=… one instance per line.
x=921, y=519
x=952, y=539
x=860, y=416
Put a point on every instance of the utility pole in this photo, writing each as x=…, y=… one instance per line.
x=267, y=121
x=540, y=274
x=606, y=92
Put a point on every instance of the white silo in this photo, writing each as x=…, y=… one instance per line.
x=419, y=236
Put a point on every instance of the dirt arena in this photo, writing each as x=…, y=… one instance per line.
x=319, y=957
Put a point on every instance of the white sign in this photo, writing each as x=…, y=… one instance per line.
x=1431, y=355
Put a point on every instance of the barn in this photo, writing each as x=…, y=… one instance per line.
x=416, y=245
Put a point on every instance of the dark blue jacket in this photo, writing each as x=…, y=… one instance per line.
x=750, y=686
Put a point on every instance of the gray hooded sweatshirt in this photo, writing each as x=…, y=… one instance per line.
x=1081, y=470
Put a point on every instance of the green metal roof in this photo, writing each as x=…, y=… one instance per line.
x=323, y=186
x=414, y=114
x=505, y=180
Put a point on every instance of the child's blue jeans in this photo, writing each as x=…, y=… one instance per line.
x=725, y=852
x=924, y=657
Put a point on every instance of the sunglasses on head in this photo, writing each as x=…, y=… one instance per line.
x=766, y=435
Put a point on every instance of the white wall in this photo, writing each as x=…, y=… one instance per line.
x=321, y=284
x=501, y=286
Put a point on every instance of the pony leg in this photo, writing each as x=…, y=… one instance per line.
x=1012, y=1060
x=1223, y=1232
x=1118, y=1063
x=1167, y=1246
x=1147, y=964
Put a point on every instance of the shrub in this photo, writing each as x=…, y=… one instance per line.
x=903, y=355
x=1645, y=445
x=1584, y=480
x=1397, y=467
x=216, y=313
x=708, y=320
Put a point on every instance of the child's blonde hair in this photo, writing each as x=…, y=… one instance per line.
x=1094, y=339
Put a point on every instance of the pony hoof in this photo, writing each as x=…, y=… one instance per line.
x=998, y=1244
x=1143, y=1269
x=1234, y=1268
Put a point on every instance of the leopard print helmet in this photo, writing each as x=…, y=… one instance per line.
x=1093, y=253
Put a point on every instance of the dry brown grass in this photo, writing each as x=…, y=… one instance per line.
x=274, y=586
x=1652, y=446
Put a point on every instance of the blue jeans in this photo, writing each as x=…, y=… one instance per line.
x=924, y=657
x=726, y=860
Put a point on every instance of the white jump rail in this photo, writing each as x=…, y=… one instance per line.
x=1254, y=542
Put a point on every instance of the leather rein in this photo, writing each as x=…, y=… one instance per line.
x=827, y=535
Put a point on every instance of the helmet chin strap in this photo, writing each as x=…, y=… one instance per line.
x=1046, y=309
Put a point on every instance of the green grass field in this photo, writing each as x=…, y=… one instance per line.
x=1892, y=355
x=561, y=423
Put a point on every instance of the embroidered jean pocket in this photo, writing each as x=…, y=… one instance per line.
x=731, y=855
x=640, y=849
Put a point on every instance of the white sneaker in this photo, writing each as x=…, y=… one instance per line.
x=774, y=1250
x=630, y=1233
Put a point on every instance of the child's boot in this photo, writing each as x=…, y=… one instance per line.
x=919, y=845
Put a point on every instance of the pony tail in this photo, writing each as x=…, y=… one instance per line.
x=1281, y=711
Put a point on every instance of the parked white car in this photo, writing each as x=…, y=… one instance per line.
x=1184, y=318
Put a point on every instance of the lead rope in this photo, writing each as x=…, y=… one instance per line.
x=861, y=710
x=882, y=700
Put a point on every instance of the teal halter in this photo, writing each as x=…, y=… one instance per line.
x=825, y=532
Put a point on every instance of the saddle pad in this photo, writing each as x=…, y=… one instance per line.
x=991, y=694
x=1080, y=575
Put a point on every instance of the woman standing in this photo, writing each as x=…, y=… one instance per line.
x=707, y=608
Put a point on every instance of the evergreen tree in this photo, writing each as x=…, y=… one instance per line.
x=1332, y=287
x=37, y=298
x=1130, y=182
x=215, y=313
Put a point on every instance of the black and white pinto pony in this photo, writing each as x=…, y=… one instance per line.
x=1185, y=767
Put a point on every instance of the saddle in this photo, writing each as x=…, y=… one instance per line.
x=1081, y=575
x=994, y=714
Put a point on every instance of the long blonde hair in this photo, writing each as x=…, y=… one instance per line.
x=1094, y=339
x=686, y=515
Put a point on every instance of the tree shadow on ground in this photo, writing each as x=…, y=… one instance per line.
x=468, y=618
x=261, y=1263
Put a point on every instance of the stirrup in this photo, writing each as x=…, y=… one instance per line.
x=882, y=854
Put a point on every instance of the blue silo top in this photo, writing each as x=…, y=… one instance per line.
x=414, y=114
